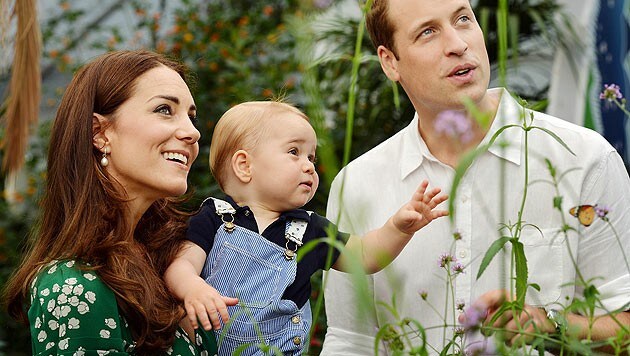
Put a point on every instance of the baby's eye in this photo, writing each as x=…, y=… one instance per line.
x=312, y=158
x=293, y=151
x=163, y=109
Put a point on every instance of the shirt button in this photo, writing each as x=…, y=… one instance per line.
x=246, y=212
x=295, y=319
x=297, y=340
x=463, y=254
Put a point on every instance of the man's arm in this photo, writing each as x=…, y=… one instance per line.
x=350, y=331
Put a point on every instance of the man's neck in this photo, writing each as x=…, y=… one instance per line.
x=449, y=150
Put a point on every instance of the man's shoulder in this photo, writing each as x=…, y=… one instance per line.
x=383, y=153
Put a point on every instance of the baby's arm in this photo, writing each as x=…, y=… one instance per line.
x=201, y=300
x=379, y=247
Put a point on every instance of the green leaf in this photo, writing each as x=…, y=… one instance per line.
x=521, y=272
x=557, y=202
x=556, y=137
x=492, y=251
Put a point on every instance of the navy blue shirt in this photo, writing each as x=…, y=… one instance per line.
x=203, y=226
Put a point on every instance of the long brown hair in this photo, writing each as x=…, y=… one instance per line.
x=83, y=208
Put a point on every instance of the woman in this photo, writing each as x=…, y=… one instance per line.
x=121, y=146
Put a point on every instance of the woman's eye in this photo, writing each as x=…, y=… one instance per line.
x=163, y=109
x=194, y=120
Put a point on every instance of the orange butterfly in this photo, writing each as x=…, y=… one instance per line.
x=585, y=214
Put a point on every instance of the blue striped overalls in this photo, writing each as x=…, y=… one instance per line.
x=246, y=265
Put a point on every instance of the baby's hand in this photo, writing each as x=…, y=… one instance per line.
x=419, y=211
x=204, y=303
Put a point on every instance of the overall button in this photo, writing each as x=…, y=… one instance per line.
x=297, y=340
x=295, y=319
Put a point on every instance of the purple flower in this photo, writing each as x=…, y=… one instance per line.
x=601, y=211
x=611, y=92
x=457, y=268
x=445, y=259
x=423, y=294
x=481, y=347
x=473, y=316
x=454, y=124
x=322, y=4
x=457, y=235
x=460, y=304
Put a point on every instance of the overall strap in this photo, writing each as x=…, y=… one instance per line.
x=222, y=208
x=295, y=230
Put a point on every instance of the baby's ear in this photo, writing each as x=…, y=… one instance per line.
x=241, y=166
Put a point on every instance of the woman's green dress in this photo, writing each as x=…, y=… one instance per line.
x=73, y=312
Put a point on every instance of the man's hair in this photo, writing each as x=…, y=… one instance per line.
x=379, y=26
x=241, y=128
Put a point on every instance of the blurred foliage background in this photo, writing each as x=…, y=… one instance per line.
x=241, y=50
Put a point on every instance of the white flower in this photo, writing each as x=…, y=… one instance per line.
x=42, y=336
x=78, y=289
x=71, y=281
x=53, y=324
x=56, y=312
x=63, y=344
x=90, y=297
x=70, y=263
x=50, y=345
x=83, y=308
x=65, y=310
x=169, y=351
x=102, y=352
x=56, y=288
x=45, y=292
x=192, y=349
x=38, y=323
x=79, y=353
x=62, y=330
x=66, y=289
x=52, y=269
x=41, y=301
x=62, y=299
x=111, y=323
x=105, y=334
x=89, y=276
x=51, y=305
x=74, y=301
x=73, y=323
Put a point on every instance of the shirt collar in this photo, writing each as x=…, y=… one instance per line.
x=299, y=214
x=414, y=150
x=508, y=144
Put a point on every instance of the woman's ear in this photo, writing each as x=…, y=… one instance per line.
x=99, y=124
x=241, y=166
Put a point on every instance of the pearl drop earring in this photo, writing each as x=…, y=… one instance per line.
x=104, y=160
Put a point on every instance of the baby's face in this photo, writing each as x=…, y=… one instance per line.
x=283, y=163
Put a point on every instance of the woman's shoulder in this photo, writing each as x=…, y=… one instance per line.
x=67, y=277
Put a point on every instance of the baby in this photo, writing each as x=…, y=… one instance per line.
x=241, y=259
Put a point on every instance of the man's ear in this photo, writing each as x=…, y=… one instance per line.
x=241, y=166
x=99, y=124
x=389, y=63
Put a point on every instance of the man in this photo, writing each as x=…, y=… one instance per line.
x=436, y=51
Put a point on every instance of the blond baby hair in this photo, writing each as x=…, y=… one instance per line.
x=241, y=128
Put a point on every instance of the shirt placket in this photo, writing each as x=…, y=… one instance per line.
x=463, y=245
